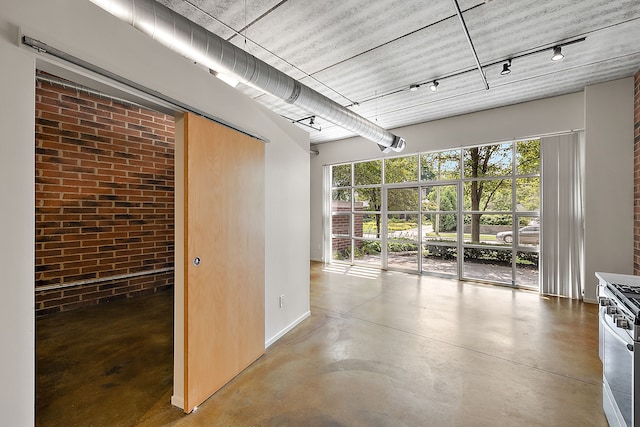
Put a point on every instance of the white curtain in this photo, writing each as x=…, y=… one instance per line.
x=326, y=214
x=562, y=241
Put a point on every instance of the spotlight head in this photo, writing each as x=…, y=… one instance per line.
x=557, y=54
x=434, y=86
x=414, y=88
x=506, y=68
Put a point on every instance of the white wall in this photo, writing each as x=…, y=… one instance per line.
x=17, y=115
x=287, y=219
x=500, y=124
x=608, y=200
x=605, y=111
x=85, y=31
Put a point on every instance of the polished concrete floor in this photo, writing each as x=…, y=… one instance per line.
x=380, y=349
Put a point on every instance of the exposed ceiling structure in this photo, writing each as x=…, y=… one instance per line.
x=367, y=55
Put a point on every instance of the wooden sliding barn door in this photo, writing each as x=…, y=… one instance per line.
x=224, y=256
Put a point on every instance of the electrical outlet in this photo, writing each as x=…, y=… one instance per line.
x=281, y=300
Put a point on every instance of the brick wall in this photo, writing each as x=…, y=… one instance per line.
x=340, y=225
x=636, y=177
x=104, y=199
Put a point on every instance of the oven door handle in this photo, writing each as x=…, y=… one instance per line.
x=606, y=325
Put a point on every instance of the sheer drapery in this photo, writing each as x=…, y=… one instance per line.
x=326, y=213
x=562, y=240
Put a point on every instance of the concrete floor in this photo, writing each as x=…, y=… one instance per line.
x=380, y=349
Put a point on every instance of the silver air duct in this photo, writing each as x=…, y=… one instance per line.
x=187, y=38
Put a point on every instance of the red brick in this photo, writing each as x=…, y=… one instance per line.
x=98, y=214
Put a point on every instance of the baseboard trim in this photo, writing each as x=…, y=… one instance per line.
x=280, y=334
x=177, y=401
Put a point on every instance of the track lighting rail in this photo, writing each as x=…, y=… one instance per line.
x=473, y=49
x=509, y=60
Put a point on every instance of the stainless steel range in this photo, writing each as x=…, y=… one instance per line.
x=619, y=298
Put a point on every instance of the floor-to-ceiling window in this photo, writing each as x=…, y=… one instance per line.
x=440, y=192
x=472, y=213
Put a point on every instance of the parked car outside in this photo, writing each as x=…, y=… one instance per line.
x=529, y=235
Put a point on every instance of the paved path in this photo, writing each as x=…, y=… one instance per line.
x=492, y=272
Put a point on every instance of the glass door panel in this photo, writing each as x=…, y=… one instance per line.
x=440, y=235
x=527, y=257
x=488, y=264
x=341, y=249
x=367, y=219
x=440, y=227
x=402, y=237
x=440, y=259
x=367, y=252
x=527, y=272
x=371, y=224
x=403, y=234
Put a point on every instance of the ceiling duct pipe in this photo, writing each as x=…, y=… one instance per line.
x=198, y=44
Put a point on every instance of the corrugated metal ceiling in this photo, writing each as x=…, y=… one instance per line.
x=370, y=52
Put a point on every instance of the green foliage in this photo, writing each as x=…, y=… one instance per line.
x=443, y=165
x=488, y=160
x=447, y=202
x=401, y=226
x=483, y=254
x=501, y=256
x=528, y=156
x=342, y=254
x=524, y=221
x=487, y=254
x=341, y=175
x=402, y=247
x=371, y=198
x=446, y=222
x=371, y=247
x=491, y=219
x=528, y=193
x=369, y=227
x=367, y=173
x=527, y=258
x=444, y=252
x=401, y=169
x=343, y=194
x=492, y=195
x=402, y=199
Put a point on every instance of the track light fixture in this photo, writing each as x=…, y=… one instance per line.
x=312, y=122
x=557, y=54
x=506, y=68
